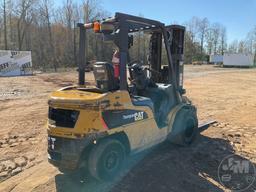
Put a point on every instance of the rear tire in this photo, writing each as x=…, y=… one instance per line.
x=106, y=159
x=185, y=126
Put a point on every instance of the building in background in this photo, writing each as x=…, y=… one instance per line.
x=15, y=63
x=238, y=60
x=216, y=59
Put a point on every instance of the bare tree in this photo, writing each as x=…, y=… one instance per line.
x=46, y=13
x=193, y=27
x=241, y=47
x=223, y=40
x=251, y=42
x=1, y=26
x=5, y=25
x=233, y=47
x=209, y=41
x=25, y=15
x=11, y=25
x=254, y=43
x=216, y=36
x=202, y=29
x=3, y=22
x=92, y=10
x=191, y=40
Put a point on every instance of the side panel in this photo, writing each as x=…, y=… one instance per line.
x=117, y=118
x=137, y=122
x=143, y=135
x=115, y=113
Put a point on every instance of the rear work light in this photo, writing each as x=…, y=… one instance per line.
x=104, y=27
x=96, y=27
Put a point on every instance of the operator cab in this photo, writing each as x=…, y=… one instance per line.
x=157, y=96
x=154, y=85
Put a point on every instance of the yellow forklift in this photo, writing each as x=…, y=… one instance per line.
x=97, y=127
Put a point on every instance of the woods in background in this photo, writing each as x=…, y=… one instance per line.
x=203, y=39
x=50, y=32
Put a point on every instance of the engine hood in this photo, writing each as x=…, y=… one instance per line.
x=75, y=97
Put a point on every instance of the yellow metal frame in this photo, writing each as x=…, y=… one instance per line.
x=141, y=134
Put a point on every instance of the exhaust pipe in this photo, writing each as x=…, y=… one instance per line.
x=81, y=54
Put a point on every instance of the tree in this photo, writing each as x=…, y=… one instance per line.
x=1, y=26
x=233, y=47
x=223, y=40
x=216, y=36
x=50, y=31
x=5, y=25
x=190, y=39
x=202, y=29
x=46, y=15
x=192, y=28
x=209, y=41
x=25, y=16
x=11, y=19
x=250, y=41
x=241, y=47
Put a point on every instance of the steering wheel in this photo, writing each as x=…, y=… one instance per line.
x=133, y=62
x=153, y=71
x=131, y=67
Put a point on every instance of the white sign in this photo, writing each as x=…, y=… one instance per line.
x=15, y=63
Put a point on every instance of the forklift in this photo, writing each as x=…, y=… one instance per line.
x=98, y=127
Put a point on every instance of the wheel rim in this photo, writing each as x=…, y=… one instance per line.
x=111, y=161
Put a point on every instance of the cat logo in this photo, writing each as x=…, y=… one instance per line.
x=139, y=116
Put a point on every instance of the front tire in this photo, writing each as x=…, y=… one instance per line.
x=185, y=126
x=106, y=159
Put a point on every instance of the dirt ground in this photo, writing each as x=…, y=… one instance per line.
x=227, y=95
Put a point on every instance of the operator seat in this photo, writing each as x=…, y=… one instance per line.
x=150, y=94
x=104, y=76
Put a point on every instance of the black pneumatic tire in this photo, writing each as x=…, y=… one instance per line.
x=185, y=126
x=106, y=159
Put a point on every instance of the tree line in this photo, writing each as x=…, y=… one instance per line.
x=50, y=32
x=204, y=38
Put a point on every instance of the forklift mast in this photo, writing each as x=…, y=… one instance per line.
x=176, y=43
x=177, y=33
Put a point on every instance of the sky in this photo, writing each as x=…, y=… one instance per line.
x=238, y=16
